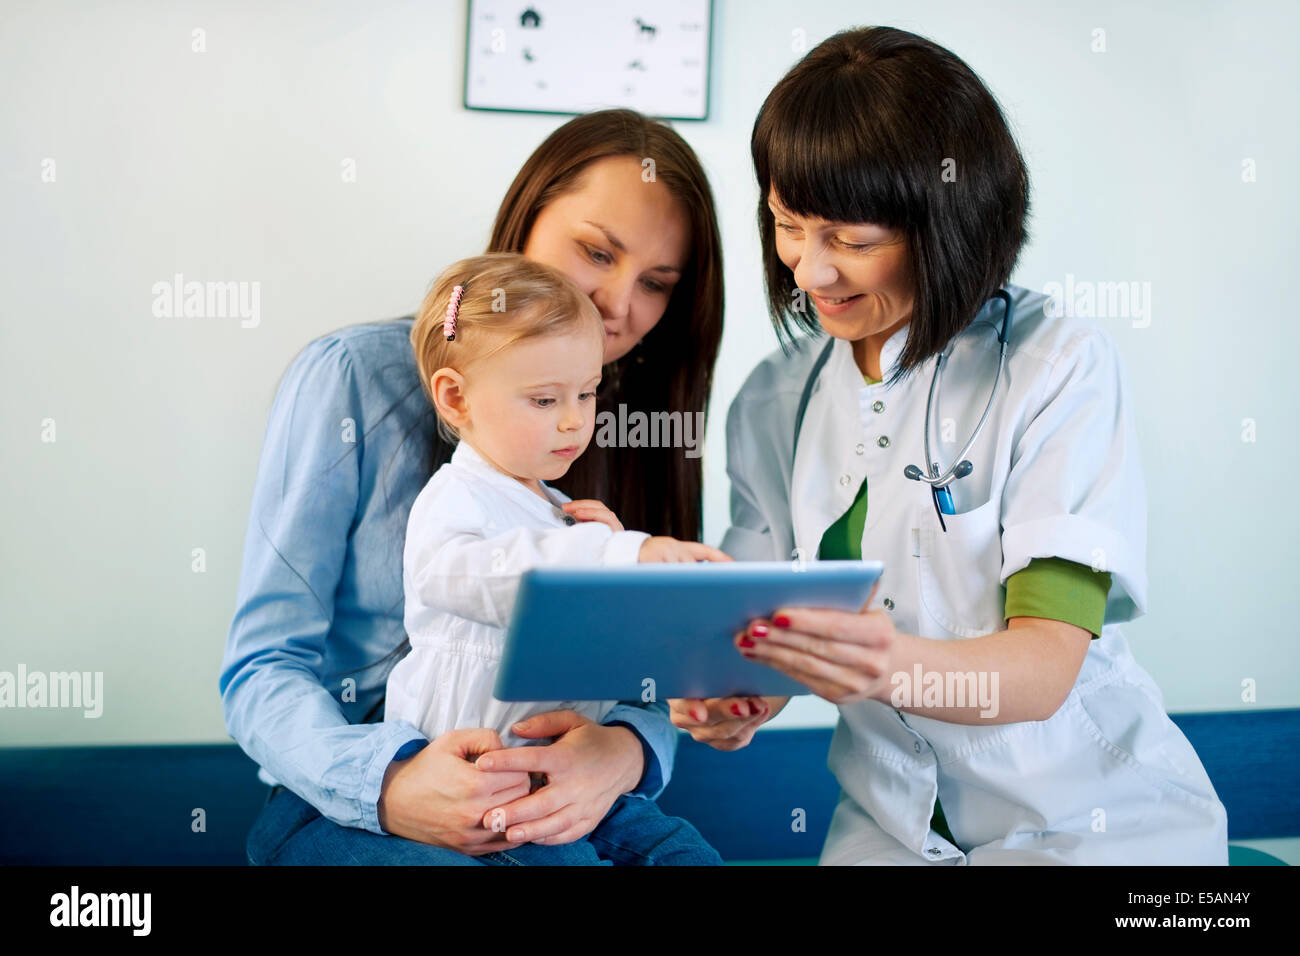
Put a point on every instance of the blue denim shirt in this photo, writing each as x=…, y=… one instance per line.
x=347, y=449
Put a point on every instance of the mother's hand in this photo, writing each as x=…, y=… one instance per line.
x=587, y=769
x=439, y=796
x=840, y=656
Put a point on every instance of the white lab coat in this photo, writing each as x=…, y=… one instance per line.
x=1108, y=778
x=471, y=533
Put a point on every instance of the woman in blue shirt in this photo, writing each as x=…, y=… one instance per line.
x=621, y=205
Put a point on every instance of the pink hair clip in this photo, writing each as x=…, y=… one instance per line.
x=453, y=307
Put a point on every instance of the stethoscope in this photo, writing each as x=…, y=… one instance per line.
x=961, y=467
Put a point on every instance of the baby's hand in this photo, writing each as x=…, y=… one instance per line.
x=670, y=550
x=589, y=509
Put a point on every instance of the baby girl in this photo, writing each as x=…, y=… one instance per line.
x=510, y=353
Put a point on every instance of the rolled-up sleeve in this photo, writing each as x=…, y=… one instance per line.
x=305, y=498
x=658, y=742
x=1075, y=488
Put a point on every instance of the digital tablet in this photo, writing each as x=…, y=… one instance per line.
x=654, y=631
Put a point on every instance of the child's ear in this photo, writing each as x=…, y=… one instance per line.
x=448, y=389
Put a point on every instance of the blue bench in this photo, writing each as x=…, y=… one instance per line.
x=134, y=804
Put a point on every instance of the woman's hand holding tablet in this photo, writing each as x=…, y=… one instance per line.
x=724, y=723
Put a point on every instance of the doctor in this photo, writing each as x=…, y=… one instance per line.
x=990, y=709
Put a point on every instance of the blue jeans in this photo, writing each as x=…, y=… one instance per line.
x=290, y=832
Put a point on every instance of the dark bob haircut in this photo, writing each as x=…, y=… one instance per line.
x=867, y=128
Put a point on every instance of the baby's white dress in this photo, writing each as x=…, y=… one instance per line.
x=471, y=533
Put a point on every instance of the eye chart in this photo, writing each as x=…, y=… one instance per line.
x=569, y=56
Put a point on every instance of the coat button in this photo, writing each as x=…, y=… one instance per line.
x=845, y=479
x=934, y=851
x=860, y=448
x=889, y=603
x=883, y=441
x=917, y=746
x=570, y=520
x=877, y=406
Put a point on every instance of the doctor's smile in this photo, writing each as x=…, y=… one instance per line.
x=826, y=304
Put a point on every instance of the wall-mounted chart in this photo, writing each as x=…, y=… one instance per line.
x=570, y=56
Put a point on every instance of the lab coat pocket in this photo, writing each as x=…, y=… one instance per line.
x=1132, y=725
x=958, y=571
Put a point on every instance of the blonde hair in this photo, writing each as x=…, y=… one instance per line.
x=507, y=298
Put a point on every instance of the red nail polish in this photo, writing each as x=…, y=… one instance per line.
x=781, y=621
x=759, y=630
x=745, y=642
x=735, y=709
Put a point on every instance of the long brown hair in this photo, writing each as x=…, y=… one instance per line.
x=650, y=489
